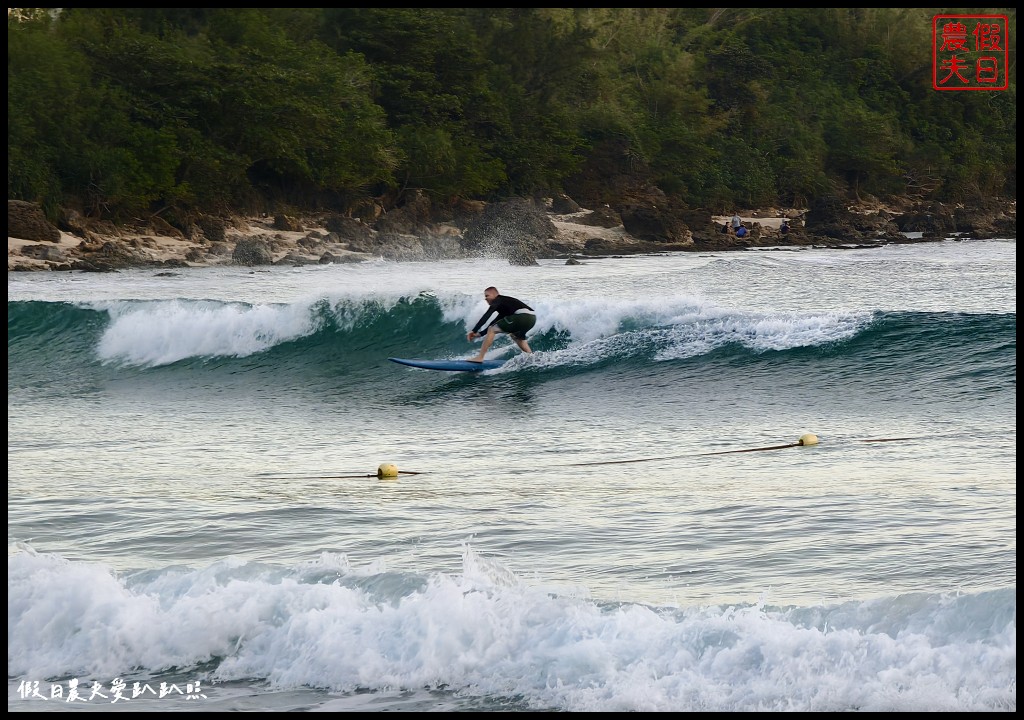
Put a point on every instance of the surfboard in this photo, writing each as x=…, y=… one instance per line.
x=449, y=365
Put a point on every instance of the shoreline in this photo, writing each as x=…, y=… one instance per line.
x=286, y=245
x=254, y=241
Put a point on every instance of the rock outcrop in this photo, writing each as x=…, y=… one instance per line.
x=519, y=230
x=26, y=221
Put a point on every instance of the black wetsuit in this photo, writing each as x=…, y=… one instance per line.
x=504, y=305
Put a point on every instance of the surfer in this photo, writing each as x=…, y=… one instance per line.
x=514, y=318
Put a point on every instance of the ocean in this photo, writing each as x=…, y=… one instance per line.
x=768, y=480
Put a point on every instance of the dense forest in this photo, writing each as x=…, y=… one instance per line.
x=120, y=113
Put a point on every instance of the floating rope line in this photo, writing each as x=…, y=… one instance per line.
x=887, y=439
x=676, y=457
x=773, y=447
x=623, y=462
x=807, y=439
x=388, y=470
x=336, y=477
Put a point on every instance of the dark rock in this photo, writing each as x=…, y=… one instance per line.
x=391, y=246
x=465, y=212
x=932, y=220
x=522, y=254
x=72, y=221
x=368, y=211
x=26, y=220
x=115, y=250
x=96, y=266
x=296, y=259
x=220, y=249
x=562, y=204
x=516, y=229
x=407, y=219
x=603, y=216
x=826, y=210
x=603, y=246
x=829, y=220
x=101, y=229
x=252, y=251
x=214, y=228
x=328, y=258
x=704, y=231
x=287, y=223
x=655, y=224
x=557, y=248
x=44, y=252
x=988, y=220
x=346, y=229
x=111, y=255
x=1004, y=227
x=158, y=226
x=441, y=247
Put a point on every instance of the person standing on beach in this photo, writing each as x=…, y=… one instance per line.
x=736, y=222
x=514, y=317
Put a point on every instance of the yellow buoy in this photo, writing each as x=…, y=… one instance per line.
x=808, y=439
x=387, y=470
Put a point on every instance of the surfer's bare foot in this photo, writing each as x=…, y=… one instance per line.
x=474, y=360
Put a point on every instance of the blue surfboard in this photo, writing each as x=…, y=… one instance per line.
x=449, y=365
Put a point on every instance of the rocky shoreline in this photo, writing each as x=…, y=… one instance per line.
x=521, y=230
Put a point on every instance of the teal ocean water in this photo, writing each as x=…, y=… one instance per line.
x=624, y=520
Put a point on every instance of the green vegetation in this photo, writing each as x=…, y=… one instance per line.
x=122, y=113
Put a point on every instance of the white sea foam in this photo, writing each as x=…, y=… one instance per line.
x=162, y=332
x=487, y=632
x=159, y=333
